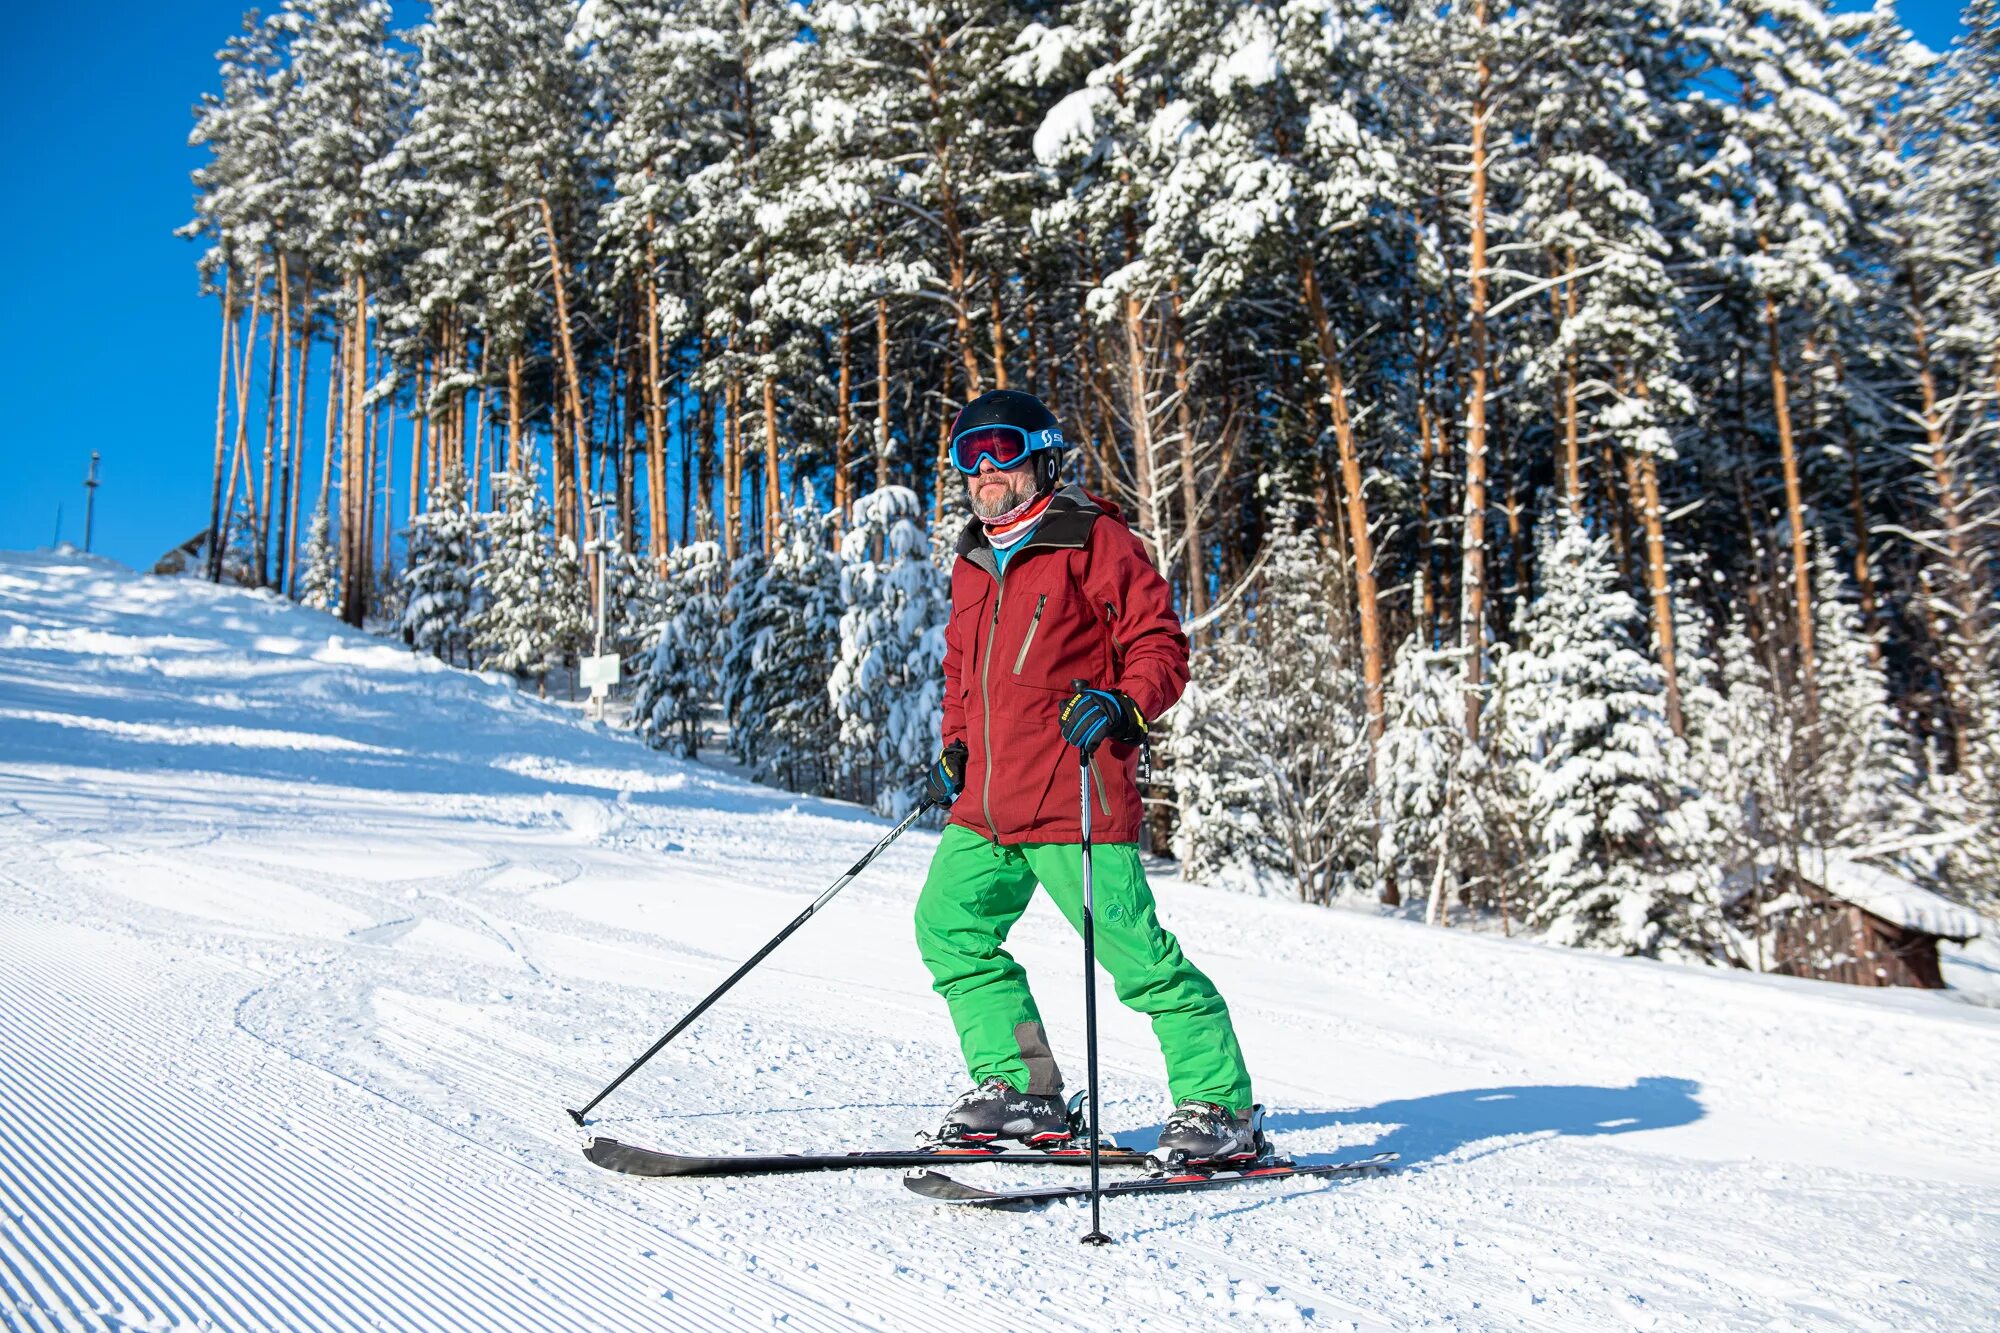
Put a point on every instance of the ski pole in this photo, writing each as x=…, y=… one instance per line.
x=1095, y=1236
x=755, y=959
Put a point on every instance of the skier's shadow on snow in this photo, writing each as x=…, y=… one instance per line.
x=1425, y=1129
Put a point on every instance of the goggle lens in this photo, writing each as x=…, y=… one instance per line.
x=1005, y=445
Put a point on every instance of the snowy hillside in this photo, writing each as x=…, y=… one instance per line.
x=306, y=941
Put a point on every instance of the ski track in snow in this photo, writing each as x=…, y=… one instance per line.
x=305, y=942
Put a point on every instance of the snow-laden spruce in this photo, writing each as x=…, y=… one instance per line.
x=1269, y=744
x=529, y=619
x=678, y=677
x=1601, y=773
x=784, y=631
x=319, y=583
x=887, y=684
x=440, y=575
x=1446, y=810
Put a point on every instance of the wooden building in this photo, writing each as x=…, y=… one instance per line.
x=1839, y=920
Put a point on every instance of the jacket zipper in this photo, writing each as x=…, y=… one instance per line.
x=986, y=706
x=1021, y=657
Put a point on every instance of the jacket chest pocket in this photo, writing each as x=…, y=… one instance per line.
x=1054, y=643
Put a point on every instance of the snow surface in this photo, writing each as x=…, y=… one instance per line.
x=306, y=941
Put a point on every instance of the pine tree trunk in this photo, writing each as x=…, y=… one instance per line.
x=1362, y=544
x=881, y=381
x=515, y=425
x=579, y=428
x=628, y=463
x=1152, y=519
x=336, y=360
x=377, y=475
x=704, y=442
x=240, y=465
x=999, y=331
x=943, y=469
x=387, y=449
x=1951, y=511
x=221, y=425
x=732, y=465
x=1648, y=488
x=267, y=496
x=1572, y=460
x=1794, y=510
x=354, y=463
x=298, y=352
x=1036, y=382
x=1194, y=564
x=1473, y=580
x=842, y=426
x=414, y=505
x=1427, y=452
x=774, y=503
x=656, y=427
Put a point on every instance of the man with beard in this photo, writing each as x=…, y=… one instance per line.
x=1051, y=588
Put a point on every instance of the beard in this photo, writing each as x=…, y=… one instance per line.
x=1020, y=490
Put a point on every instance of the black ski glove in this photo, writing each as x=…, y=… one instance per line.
x=946, y=778
x=1094, y=716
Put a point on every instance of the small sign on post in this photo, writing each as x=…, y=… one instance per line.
x=599, y=673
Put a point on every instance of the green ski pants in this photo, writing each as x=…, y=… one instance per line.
x=977, y=890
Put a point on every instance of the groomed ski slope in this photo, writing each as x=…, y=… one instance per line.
x=305, y=942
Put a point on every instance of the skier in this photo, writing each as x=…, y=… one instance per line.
x=1052, y=589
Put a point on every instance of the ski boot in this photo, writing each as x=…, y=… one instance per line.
x=994, y=1110
x=1201, y=1135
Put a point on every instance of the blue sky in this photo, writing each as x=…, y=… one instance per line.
x=105, y=342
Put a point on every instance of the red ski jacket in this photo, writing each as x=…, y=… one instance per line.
x=1079, y=601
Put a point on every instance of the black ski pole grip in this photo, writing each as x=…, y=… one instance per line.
x=1078, y=686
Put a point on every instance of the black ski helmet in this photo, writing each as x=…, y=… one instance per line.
x=1024, y=411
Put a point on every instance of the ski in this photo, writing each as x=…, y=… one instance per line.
x=933, y=1185
x=637, y=1161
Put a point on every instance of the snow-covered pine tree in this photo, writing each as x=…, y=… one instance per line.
x=1448, y=813
x=1599, y=767
x=241, y=129
x=347, y=105
x=784, y=633
x=571, y=625
x=439, y=579
x=1270, y=742
x=887, y=685
x=678, y=678
x=319, y=584
x=1864, y=789
x=516, y=630
x=634, y=600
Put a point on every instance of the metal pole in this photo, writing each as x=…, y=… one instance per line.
x=755, y=959
x=90, y=484
x=597, y=549
x=1095, y=1236
x=603, y=547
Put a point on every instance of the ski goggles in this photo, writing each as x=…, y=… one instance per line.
x=1005, y=445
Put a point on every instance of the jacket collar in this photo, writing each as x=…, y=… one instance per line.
x=1065, y=524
